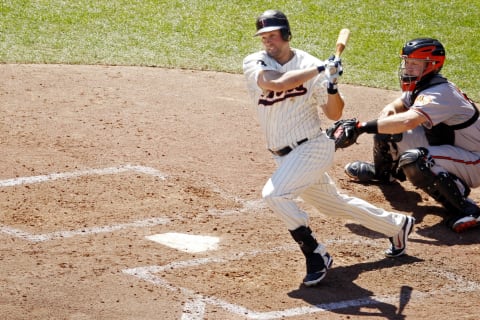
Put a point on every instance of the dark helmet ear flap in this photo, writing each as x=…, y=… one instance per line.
x=286, y=34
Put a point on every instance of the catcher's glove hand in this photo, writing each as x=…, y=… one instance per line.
x=345, y=132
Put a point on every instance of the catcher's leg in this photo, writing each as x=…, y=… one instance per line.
x=317, y=258
x=384, y=167
x=451, y=191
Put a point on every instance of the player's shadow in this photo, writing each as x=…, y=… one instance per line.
x=409, y=201
x=403, y=200
x=339, y=294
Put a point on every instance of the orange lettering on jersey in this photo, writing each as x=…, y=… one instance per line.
x=269, y=98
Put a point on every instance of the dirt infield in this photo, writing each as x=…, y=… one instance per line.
x=98, y=159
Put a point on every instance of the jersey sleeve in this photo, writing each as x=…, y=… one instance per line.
x=252, y=65
x=443, y=104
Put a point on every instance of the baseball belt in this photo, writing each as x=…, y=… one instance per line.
x=286, y=150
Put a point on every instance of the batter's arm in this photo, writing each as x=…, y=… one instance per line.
x=278, y=82
x=333, y=109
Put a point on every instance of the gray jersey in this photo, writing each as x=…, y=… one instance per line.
x=445, y=103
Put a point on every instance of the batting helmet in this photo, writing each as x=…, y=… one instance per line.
x=428, y=50
x=274, y=20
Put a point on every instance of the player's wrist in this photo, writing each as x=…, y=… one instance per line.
x=368, y=127
x=320, y=69
x=332, y=88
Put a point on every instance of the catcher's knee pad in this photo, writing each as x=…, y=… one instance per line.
x=416, y=164
x=446, y=188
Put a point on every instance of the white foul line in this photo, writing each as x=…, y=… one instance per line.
x=195, y=308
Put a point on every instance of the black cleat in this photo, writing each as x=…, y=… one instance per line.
x=314, y=278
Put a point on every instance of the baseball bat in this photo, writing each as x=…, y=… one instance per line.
x=342, y=41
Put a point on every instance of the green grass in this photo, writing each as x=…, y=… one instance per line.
x=216, y=35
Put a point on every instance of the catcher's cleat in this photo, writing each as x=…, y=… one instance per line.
x=365, y=172
x=361, y=171
x=314, y=277
x=465, y=223
x=399, y=242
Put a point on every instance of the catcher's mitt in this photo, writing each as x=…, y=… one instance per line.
x=344, y=132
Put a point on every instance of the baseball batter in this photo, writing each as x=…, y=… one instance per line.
x=289, y=87
x=436, y=135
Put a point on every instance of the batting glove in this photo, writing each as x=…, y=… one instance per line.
x=333, y=69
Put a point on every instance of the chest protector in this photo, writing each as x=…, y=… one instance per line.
x=442, y=133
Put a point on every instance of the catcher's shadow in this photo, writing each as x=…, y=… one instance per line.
x=442, y=236
x=408, y=201
x=437, y=234
x=339, y=294
x=400, y=198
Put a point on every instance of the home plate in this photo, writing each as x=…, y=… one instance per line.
x=186, y=242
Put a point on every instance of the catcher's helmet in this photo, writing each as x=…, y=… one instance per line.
x=429, y=50
x=273, y=20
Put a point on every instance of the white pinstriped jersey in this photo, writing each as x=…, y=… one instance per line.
x=445, y=103
x=286, y=117
x=291, y=116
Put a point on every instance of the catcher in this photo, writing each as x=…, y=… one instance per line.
x=430, y=135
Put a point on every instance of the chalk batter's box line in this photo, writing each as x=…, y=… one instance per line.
x=85, y=231
x=196, y=302
x=80, y=232
x=248, y=205
x=76, y=174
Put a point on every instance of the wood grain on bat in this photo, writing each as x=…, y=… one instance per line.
x=342, y=41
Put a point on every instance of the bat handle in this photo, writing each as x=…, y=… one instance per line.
x=339, y=51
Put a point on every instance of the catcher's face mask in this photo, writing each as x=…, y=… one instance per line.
x=426, y=51
x=411, y=71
